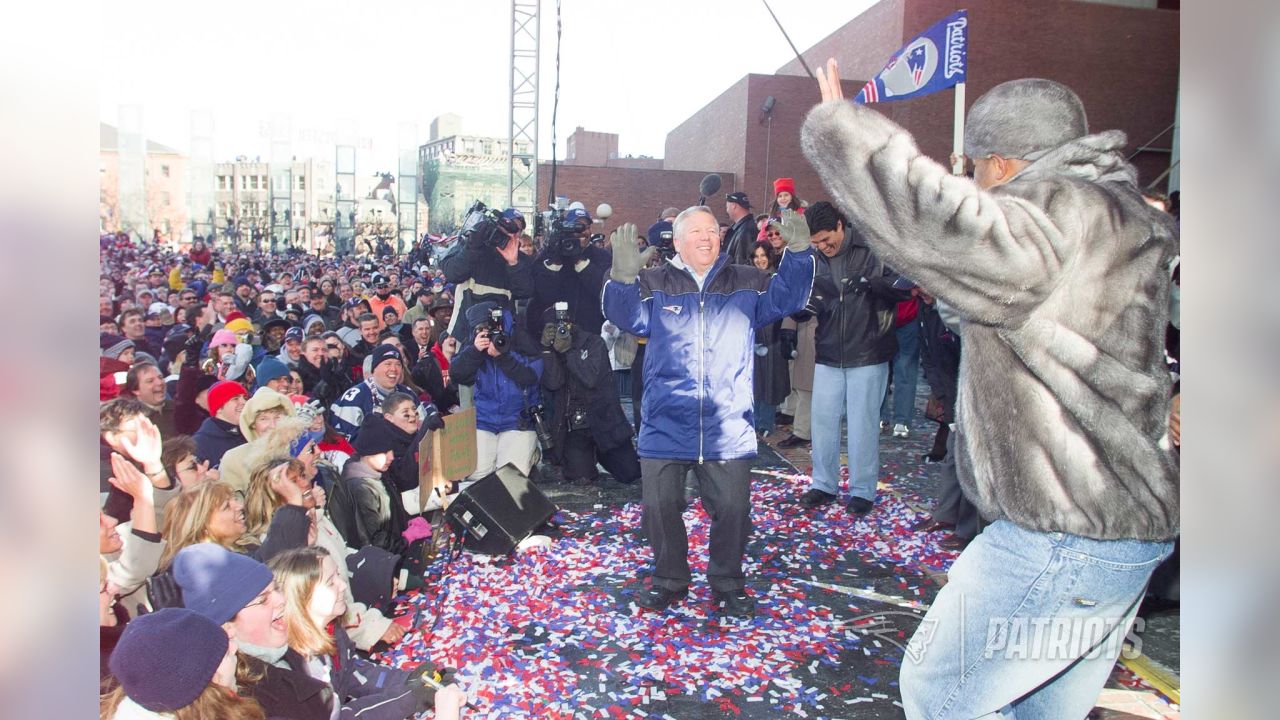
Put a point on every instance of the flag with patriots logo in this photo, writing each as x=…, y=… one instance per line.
x=934, y=60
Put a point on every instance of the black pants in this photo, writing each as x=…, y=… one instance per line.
x=581, y=454
x=953, y=506
x=725, y=488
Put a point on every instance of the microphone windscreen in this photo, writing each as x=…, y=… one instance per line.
x=710, y=185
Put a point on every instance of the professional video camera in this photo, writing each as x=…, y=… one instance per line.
x=661, y=235
x=566, y=228
x=482, y=225
x=493, y=326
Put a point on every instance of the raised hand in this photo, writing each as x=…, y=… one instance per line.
x=794, y=230
x=829, y=83
x=627, y=258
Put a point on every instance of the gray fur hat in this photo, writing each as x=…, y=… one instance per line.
x=1023, y=119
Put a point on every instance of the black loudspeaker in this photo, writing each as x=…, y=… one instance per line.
x=495, y=514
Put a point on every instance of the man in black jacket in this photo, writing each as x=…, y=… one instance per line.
x=854, y=299
x=587, y=423
x=742, y=236
x=487, y=265
x=570, y=270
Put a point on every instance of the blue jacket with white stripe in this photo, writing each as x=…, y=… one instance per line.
x=699, y=363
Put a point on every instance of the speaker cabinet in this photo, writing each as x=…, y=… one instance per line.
x=496, y=513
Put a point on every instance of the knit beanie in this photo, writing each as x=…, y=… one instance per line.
x=1023, y=119
x=375, y=435
x=784, y=185
x=113, y=345
x=216, y=582
x=268, y=370
x=381, y=354
x=372, y=569
x=223, y=337
x=165, y=659
x=239, y=325
x=221, y=392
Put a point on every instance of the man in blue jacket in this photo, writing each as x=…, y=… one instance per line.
x=699, y=312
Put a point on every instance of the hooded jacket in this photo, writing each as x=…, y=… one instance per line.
x=1061, y=277
x=237, y=463
x=698, y=367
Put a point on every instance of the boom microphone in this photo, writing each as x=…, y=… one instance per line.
x=710, y=185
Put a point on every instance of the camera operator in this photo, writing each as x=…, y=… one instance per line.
x=586, y=418
x=570, y=270
x=504, y=367
x=487, y=266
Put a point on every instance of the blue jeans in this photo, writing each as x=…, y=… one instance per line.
x=1028, y=625
x=855, y=392
x=906, y=371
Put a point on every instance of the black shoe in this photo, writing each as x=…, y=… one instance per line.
x=859, y=506
x=794, y=441
x=813, y=497
x=954, y=542
x=659, y=598
x=735, y=604
x=933, y=458
x=930, y=525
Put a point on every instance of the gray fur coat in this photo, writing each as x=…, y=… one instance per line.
x=1060, y=276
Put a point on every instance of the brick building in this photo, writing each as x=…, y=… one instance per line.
x=1122, y=59
x=164, y=188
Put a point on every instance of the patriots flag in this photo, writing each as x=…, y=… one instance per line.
x=934, y=60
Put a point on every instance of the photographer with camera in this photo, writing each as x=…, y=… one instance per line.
x=570, y=270
x=587, y=423
x=486, y=264
x=503, y=366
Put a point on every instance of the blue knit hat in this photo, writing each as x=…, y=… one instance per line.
x=268, y=370
x=216, y=582
x=165, y=659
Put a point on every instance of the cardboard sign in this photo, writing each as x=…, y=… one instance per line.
x=447, y=454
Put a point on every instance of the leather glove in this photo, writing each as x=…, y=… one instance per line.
x=422, y=683
x=548, y=334
x=627, y=258
x=562, y=343
x=431, y=418
x=192, y=349
x=793, y=229
x=163, y=591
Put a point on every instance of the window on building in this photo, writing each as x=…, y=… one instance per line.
x=244, y=182
x=164, y=199
x=164, y=170
x=299, y=210
x=302, y=182
x=469, y=147
x=488, y=147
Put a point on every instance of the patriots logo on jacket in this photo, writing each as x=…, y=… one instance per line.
x=673, y=308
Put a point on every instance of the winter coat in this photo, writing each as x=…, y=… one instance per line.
x=367, y=690
x=429, y=375
x=697, y=367
x=804, y=360
x=214, y=438
x=1061, y=277
x=326, y=383
x=581, y=377
x=577, y=284
x=367, y=624
x=940, y=358
x=364, y=509
x=855, y=301
x=770, y=381
x=237, y=462
x=481, y=274
x=288, y=692
x=348, y=411
x=504, y=386
x=187, y=415
x=740, y=240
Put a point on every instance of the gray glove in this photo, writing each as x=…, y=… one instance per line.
x=627, y=258
x=793, y=229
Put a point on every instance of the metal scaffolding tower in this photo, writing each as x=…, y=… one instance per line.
x=522, y=138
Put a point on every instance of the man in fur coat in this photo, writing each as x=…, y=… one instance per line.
x=1060, y=273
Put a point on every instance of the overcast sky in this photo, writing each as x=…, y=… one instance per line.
x=326, y=66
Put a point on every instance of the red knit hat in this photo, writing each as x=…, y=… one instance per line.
x=221, y=392
x=237, y=315
x=784, y=185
